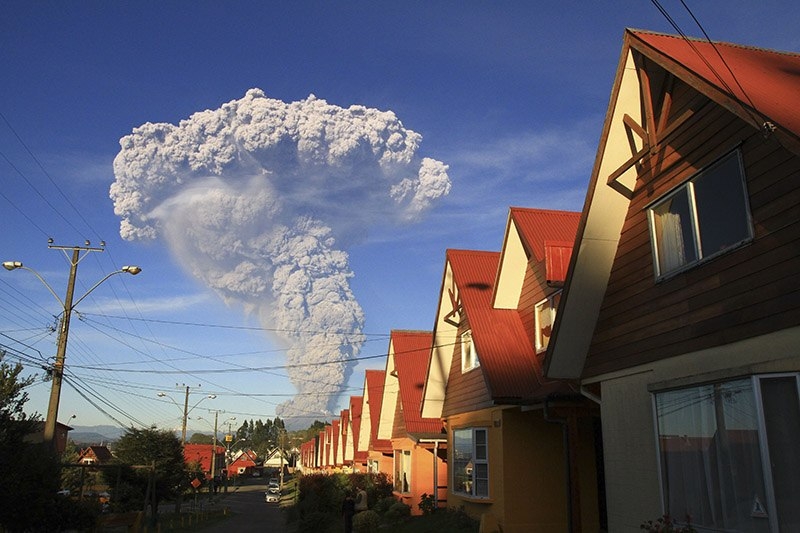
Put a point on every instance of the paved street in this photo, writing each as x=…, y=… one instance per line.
x=249, y=511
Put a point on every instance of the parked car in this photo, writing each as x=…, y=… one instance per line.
x=273, y=493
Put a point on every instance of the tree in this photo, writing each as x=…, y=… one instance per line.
x=243, y=432
x=29, y=472
x=149, y=455
x=201, y=438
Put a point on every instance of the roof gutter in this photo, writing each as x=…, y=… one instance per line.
x=588, y=394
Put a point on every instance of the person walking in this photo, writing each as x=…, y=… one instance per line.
x=348, y=510
x=361, y=499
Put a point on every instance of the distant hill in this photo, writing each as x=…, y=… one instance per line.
x=95, y=434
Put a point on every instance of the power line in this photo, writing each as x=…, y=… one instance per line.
x=246, y=328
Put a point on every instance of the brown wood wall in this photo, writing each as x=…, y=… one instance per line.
x=747, y=292
x=465, y=392
x=533, y=292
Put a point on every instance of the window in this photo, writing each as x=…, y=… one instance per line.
x=373, y=466
x=469, y=355
x=545, y=317
x=471, y=462
x=728, y=454
x=402, y=471
x=702, y=218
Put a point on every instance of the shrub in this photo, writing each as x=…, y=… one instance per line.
x=459, y=520
x=384, y=504
x=316, y=522
x=366, y=522
x=665, y=524
x=427, y=504
x=397, y=512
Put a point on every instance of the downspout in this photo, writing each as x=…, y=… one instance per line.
x=436, y=443
x=567, y=463
x=435, y=474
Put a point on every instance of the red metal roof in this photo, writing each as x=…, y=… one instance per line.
x=412, y=352
x=375, y=380
x=202, y=454
x=507, y=358
x=538, y=226
x=356, y=408
x=769, y=78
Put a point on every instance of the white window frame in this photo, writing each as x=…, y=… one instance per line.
x=469, y=354
x=550, y=303
x=478, y=458
x=402, y=465
x=769, y=504
x=695, y=244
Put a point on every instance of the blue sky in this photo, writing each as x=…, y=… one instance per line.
x=509, y=95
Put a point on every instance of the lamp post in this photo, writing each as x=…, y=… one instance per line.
x=186, y=409
x=213, y=486
x=68, y=306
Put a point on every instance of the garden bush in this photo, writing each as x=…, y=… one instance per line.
x=322, y=495
x=397, y=512
x=366, y=522
x=383, y=505
x=427, y=504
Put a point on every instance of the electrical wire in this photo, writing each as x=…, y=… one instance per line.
x=690, y=42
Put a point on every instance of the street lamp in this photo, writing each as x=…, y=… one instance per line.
x=68, y=306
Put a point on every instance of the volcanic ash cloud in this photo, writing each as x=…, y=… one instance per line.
x=260, y=198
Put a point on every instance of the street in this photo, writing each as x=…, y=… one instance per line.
x=249, y=511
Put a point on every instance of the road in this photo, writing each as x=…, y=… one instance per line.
x=249, y=511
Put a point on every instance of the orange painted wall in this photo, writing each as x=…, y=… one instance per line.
x=527, y=474
x=422, y=473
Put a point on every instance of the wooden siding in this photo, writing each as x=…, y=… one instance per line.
x=533, y=291
x=465, y=392
x=746, y=292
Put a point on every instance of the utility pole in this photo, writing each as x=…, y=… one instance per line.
x=214, y=456
x=61, y=353
x=185, y=416
x=281, y=436
x=67, y=307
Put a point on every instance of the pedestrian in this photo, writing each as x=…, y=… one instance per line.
x=348, y=510
x=361, y=499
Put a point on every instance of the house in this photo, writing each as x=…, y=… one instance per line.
x=419, y=444
x=59, y=437
x=277, y=459
x=330, y=455
x=344, y=458
x=308, y=456
x=359, y=454
x=242, y=464
x=681, y=310
x=205, y=455
x=379, y=451
x=94, y=455
x=508, y=427
x=336, y=440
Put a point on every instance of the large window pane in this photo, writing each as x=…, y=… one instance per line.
x=703, y=217
x=470, y=462
x=710, y=456
x=462, y=461
x=721, y=206
x=782, y=421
